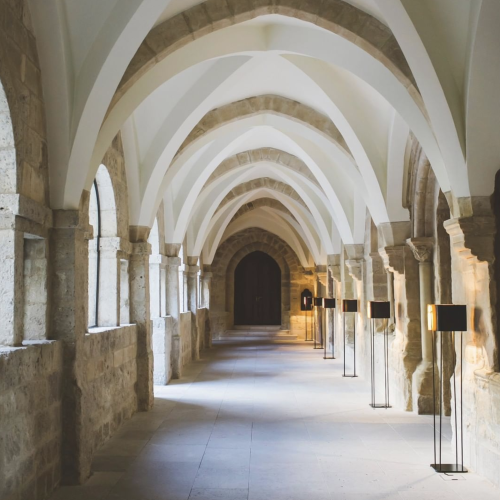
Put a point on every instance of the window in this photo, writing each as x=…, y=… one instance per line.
x=94, y=256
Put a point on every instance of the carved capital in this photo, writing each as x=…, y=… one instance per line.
x=355, y=267
x=334, y=267
x=393, y=258
x=322, y=277
x=422, y=248
x=473, y=237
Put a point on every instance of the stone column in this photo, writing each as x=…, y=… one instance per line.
x=173, y=305
x=140, y=314
x=422, y=384
x=11, y=284
x=206, y=284
x=191, y=273
x=68, y=324
x=155, y=284
x=206, y=289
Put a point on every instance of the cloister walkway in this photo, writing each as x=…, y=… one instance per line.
x=259, y=420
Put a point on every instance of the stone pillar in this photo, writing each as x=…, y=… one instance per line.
x=422, y=384
x=155, y=284
x=206, y=284
x=68, y=324
x=173, y=306
x=206, y=289
x=11, y=284
x=474, y=281
x=406, y=349
x=191, y=274
x=141, y=316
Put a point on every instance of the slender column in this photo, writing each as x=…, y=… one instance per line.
x=11, y=285
x=422, y=378
x=141, y=316
x=173, y=307
x=191, y=274
x=206, y=284
x=68, y=323
x=155, y=285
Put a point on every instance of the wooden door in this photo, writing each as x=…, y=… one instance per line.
x=257, y=291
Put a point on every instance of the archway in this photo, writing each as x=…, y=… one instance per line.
x=257, y=290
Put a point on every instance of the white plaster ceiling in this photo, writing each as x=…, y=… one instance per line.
x=451, y=47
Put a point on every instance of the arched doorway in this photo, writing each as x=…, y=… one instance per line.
x=257, y=291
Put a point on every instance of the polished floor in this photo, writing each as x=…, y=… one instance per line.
x=257, y=420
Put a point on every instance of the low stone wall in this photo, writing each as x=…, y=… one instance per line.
x=110, y=397
x=185, y=335
x=30, y=420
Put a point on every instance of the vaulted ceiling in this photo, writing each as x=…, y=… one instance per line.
x=308, y=105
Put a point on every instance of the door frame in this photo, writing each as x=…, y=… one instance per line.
x=285, y=285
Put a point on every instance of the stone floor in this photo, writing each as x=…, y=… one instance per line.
x=256, y=420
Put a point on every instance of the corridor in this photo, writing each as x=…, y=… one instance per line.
x=257, y=420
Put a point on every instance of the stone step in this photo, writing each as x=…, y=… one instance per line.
x=260, y=328
x=273, y=335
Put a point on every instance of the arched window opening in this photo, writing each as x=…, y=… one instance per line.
x=35, y=288
x=94, y=255
x=108, y=281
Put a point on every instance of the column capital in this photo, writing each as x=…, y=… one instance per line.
x=354, y=251
x=207, y=276
x=322, y=274
x=140, y=248
x=333, y=262
x=355, y=267
x=191, y=271
x=422, y=248
x=173, y=261
x=473, y=237
x=393, y=258
x=139, y=234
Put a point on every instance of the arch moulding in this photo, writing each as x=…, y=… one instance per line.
x=230, y=254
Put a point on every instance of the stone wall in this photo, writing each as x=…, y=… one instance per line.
x=30, y=410
x=24, y=170
x=111, y=376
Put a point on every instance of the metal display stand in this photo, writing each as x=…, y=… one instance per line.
x=330, y=304
x=444, y=319
x=379, y=310
x=350, y=306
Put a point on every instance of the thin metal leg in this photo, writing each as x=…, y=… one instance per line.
x=461, y=401
x=344, y=344
x=372, y=362
x=455, y=395
x=441, y=402
x=455, y=467
x=332, y=338
x=434, y=390
x=354, y=345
